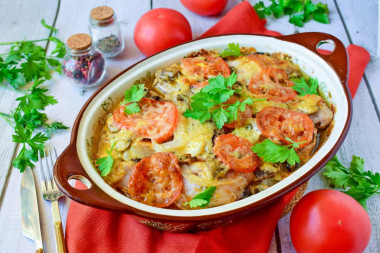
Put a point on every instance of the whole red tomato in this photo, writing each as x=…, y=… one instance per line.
x=329, y=221
x=159, y=29
x=205, y=7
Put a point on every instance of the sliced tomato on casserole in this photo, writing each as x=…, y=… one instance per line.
x=199, y=69
x=156, y=180
x=236, y=152
x=279, y=123
x=273, y=84
x=156, y=120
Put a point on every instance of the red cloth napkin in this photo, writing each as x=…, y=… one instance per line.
x=94, y=230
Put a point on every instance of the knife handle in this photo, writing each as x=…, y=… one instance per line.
x=40, y=251
x=58, y=229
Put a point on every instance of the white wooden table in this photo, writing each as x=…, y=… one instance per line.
x=351, y=21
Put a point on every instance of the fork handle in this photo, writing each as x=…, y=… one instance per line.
x=58, y=229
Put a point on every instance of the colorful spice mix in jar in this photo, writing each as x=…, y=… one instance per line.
x=105, y=31
x=82, y=62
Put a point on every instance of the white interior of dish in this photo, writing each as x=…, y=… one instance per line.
x=308, y=61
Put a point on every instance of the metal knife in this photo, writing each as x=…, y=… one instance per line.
x=30, y=219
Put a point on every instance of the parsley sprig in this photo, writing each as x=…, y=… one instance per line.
x=233, y=49
x=209, y=102
x=361, y=184
x=274, y=153
x=105, y=163
x=27, y=62
x=27, y=155
x=26, y=118
x=299, y=11
x=54, y=127
x=304, y=87
x=202, y=199
x=132, y=96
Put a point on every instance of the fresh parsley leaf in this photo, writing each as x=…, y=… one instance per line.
x=233, y=110
x=261, y=10
x=209, y=102
x=219, y=116
x=198, y=112
x=22, y=135
x=299, y=11
x=304, y=88
x=361, y=184
x=135, y=93
x=10, y=72
x=277, y=9
x=310, y=7
x=105, y=163
x=23, y=159
x=321, y=18
x=36, y=143
x=293, y=6
x=36, y=99
x=297, y=20
x=274, y=153
x=132, y=108
x=132, y=96
x=231, y=80
x=202, y=199
x=60, y=48
x=232, y=50
x=54, y=127
x=43, y=22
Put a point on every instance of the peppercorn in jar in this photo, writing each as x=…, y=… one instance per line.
x=82, y=63
x=105, y=31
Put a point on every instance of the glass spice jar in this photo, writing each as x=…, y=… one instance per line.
x=105, y=31
x=82, y=62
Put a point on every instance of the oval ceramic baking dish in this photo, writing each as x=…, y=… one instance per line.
x=75, y=162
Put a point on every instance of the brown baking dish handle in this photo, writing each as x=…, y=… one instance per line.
x=338, y=59
x=69, y=167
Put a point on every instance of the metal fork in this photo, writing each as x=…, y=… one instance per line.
x=51, y=193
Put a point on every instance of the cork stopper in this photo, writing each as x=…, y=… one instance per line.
x=101, y=13
x=80, y=41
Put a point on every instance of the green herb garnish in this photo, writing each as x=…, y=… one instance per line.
x=361, y=184
x=105, y=163
x=132, y=96
x=54, y=127
x=26, y=118
x=36, y=143
x=304, y=88
x=43, y=23
x=210, y=102
x=27, y=62
x=274, y=153
x=202, y=199
x=232, y=50
x=299, y=11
